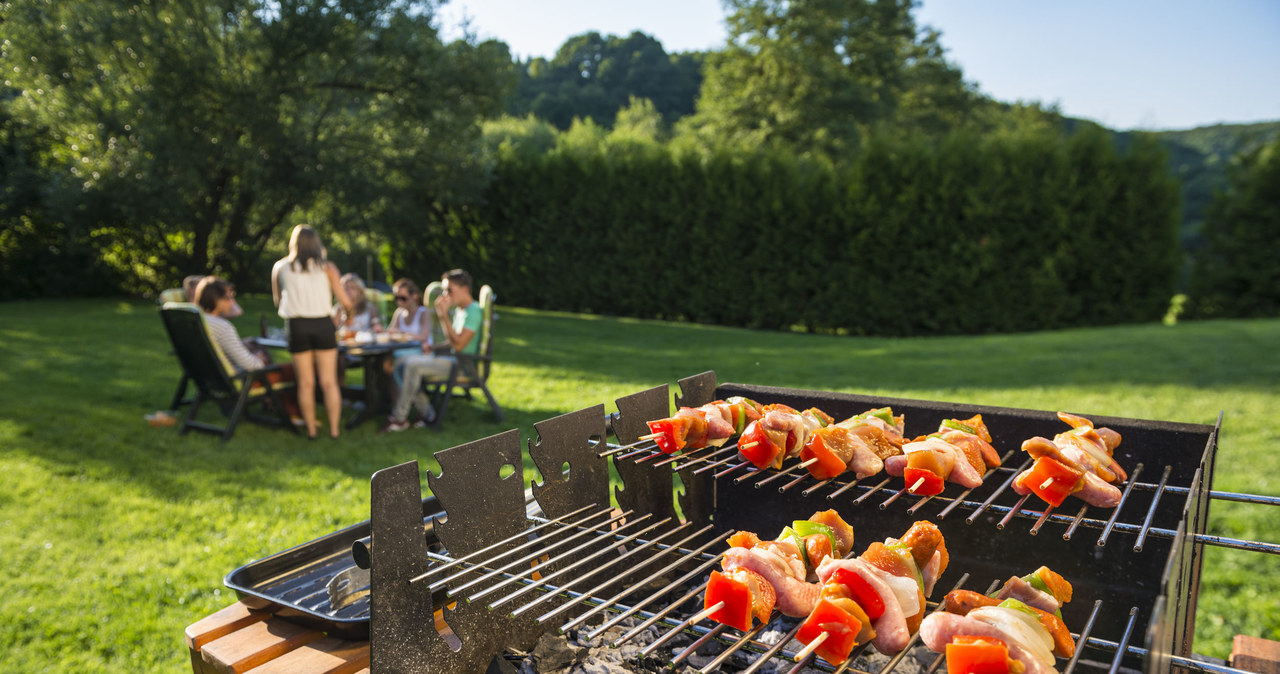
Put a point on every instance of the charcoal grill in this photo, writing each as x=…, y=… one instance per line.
x=492, y=566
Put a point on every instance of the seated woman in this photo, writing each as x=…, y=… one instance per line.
x=460, y=317
x=217, y=299
x=411, y=320
x=364, y=316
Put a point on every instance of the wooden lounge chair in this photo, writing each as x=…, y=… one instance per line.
x=470, y=371
x=238, y=396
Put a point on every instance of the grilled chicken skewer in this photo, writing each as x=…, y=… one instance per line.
x=1018, y=629
x=1077, y=462
x=960, y=451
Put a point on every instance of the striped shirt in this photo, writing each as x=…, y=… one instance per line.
x=228, y=340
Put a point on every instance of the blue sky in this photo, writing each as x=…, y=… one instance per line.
x=1127, y=64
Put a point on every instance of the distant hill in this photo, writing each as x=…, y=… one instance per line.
x=1199, y=157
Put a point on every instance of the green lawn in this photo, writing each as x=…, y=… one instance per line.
x=117, y=535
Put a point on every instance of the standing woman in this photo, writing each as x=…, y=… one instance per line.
x=303, y=285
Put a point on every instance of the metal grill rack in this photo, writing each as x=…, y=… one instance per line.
x=595, y=558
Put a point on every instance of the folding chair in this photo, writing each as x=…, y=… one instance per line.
x=236, y=395
x=470, y=370
x=177, y=296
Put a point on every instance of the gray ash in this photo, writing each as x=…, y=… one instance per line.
x=575, y=654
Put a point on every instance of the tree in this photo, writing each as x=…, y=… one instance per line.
x=815, y=75
x=189, y=132
x=594, y=76
x=1236, y=274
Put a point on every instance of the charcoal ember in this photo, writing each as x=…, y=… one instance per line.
x=554, y=654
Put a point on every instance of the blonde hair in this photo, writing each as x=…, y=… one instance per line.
x=305, y=248
x=362, y=302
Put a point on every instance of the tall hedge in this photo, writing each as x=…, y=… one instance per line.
x=970, y=236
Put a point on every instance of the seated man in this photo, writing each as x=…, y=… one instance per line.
x=460, y=318
x=190, y=286
x=217, y=299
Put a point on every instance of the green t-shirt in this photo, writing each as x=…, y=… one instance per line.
x=469, y=318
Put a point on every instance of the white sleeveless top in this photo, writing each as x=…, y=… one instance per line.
x=305, y=293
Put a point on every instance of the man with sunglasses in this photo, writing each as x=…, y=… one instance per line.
x=460, y=318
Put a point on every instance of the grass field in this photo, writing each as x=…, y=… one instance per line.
x=117, y=535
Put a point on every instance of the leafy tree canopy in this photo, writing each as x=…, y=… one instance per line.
x=594, y=76
x=816, y=75
x=187, y=133
x=1236, y=274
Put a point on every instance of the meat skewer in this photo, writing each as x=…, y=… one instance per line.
x=1017, y=629
x=877, y=597
x=761, y=575
x=859, y=445
x=1077, y=462
x=780, y=433
x=711, y=425
x=959, y=451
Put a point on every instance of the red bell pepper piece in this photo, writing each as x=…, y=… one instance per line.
x=828, y=465
x=755, y=446
x=840, y=626
x=859, y=590
x=931, y=484
x=977, y=655
x=1053, y=480
x=736, y=612
x=745, y=594
x=670, y=433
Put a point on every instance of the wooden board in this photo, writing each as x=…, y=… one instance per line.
x=239, y=640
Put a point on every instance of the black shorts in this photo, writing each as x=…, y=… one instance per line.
x=311, y=334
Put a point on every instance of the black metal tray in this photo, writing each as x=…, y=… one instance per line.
x=292, y=583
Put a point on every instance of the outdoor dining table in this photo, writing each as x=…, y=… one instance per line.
x=374, y=395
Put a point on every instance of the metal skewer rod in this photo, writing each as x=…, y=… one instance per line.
x=538, y=553
x=773, y=650
x=717, y=464
x=637, y=452
x=634, y=586
x=990, y=499
x=647, y=623
x=594, y=592
x=1124, y=641
x=622, y=448
x=783, y=473
x=508, y=539
x=1043, y=516
x=1151, y=512
x=912, y=510
x=671, y=634
x=1111, y=523
x=679, y=582
x=905, y=490
x=1071, y=530
x=1013, y=511
x=1084, y=634
x=728, y=452
x=1003, y=460
x=846, y=487
x=687, y=456
x=737, y=645
x=536, y=568
x=738, y=480
x=872, y=490
x=814, y=488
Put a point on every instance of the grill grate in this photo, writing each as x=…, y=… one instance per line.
x=582, y=567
